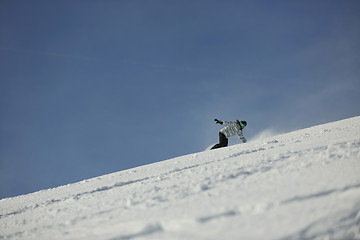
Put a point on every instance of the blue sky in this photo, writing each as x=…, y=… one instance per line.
x=90, y=87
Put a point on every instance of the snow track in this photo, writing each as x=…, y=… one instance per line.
x=299, y=185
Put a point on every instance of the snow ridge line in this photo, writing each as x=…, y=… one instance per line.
x=75, y=197
x=321, y=194
x=228, y=213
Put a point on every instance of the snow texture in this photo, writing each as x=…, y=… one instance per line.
x=300, y=185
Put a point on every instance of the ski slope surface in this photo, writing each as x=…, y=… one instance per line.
x=300, y=185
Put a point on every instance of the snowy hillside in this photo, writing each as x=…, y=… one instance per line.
x=299, y=185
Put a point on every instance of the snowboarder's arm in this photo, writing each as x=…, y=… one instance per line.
x=223, y=122
x=218, y=121
x=228, y=123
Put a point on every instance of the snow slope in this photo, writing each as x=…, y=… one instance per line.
x=300, y=185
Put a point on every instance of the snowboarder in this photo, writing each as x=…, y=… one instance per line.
x=230, y=129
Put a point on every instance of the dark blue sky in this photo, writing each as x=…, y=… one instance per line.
x=90, y=87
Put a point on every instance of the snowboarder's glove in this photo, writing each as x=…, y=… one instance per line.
x=218, y=121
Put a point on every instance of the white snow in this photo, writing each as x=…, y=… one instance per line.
x=300, y=185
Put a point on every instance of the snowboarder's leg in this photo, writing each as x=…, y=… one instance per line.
x=223, y=141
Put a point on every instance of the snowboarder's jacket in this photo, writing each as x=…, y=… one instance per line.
x=232, y=129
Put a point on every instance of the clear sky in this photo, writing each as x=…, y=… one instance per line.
x=90, y=87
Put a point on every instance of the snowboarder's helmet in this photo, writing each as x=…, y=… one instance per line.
x=243, y=124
